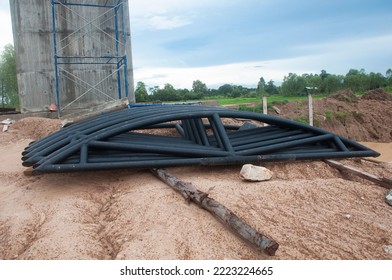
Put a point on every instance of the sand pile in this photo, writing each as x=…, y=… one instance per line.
x=309, y=208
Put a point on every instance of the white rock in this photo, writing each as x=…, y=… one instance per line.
x=276, y=109
x=388, y=249
x=388, y=198
x=250, y=172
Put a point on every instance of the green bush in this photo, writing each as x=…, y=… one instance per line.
x=359, y=117
x=302, y=119
x=328, y=116
x=341, y=116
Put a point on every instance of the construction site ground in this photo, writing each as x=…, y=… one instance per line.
x=312, y=210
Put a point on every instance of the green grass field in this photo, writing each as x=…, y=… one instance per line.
x=274, y=98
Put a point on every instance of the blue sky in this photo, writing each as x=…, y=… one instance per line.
x=239, y=41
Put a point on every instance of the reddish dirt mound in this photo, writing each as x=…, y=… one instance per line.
x=345, y=96
x=31, y=128
x=361, y=119
x=377, y=94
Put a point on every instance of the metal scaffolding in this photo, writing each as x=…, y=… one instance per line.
x=86, y=35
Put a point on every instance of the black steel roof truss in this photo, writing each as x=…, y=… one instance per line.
x=131, y=138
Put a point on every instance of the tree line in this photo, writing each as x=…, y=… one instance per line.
x=8, y=80
x=292, y=85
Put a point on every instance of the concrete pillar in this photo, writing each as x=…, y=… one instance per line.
x=33, y=37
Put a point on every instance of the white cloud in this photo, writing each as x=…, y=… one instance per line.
x=152, y=7
x=166, y=22
x=170, y=14
x=370, y=53
x=335, y=57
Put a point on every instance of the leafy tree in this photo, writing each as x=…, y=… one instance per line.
x=261, y=86
x=356, y=80
x=376, y=80
x=389, y=76
x=388, y=73
x=225, y=90
x=293, y=85
x=153, y=89
x=212, y=92
x=271, y=89
x=332, y=83
x=8, y=78
x=199, y=88
x=168, y=93
x=237, y=91
x=323, y=74
x=313, y=80
x=141, y=92
x=186, y=94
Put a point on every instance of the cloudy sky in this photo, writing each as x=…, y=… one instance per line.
x=239, y=41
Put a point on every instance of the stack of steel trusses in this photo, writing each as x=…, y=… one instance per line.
x=199, y=135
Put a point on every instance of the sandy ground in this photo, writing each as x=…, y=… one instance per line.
x=309, y=208
x=385, y=149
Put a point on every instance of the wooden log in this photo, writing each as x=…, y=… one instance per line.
x=190, y=193
x=384, y=182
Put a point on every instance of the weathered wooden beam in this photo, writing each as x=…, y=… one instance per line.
x=190, y=193
x=384, y=182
